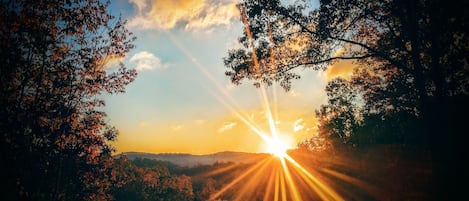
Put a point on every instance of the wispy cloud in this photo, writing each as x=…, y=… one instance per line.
x=341, y=68
x=176, y=128
x=294, y=93
x=147, y=61
x=298, y=125
x=200, y=121
x=192, y=15
x=227, y=126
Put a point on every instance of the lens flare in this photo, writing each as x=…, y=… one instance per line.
x=277, y=147
x=283, y=179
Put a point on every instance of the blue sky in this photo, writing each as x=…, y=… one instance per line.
x=181, y=100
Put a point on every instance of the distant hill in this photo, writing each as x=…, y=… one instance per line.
x=189, y=160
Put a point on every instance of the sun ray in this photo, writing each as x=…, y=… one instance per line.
x=323, y=188
x=290, y=181
x=281, y=178
x=270, y=184
x=277, y=185
x=254, y=180
x=370, y=189
x=268, y=112
x=276, y=147
x=283, y=189
x=233, y=107
x=221, y=170
x=239, y=178
x=243, y=119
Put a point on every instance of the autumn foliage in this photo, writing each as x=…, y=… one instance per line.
x=54, y=139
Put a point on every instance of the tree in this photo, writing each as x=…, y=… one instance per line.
x=340, y=118
x=374, y=106
x=149, y=183
x=208, y=188
x=424, y=42
x=52, y=69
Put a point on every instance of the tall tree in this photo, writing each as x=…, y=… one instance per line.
x=426, y=42
x=54, y=140
x=339, y=119
x=374, y=106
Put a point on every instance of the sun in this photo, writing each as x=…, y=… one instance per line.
x=277, y=147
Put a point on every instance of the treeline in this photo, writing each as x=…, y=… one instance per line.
x=144, y=179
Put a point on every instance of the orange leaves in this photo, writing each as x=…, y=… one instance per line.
x=50, y=83
x=65, y=48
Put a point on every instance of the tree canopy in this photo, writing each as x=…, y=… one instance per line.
x=411, y=81
x=53, y=56
x=426, y=40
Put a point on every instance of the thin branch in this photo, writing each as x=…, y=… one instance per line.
x=374, y=52
x=286, y=68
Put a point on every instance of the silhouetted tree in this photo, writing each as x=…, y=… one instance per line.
x=54, y=140
x=376, y=106
x=340, y=118
x=424, y=43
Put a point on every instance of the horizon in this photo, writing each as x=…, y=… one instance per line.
x=183, y=153
x=233, y=100
x=181, y=101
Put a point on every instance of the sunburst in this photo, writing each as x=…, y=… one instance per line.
x=283, y=179
x=277, y=147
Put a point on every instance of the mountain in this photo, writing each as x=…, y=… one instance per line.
x=189, y=160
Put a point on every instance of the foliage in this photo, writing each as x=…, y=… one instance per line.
x=413, y=74
x=150, y=179
x=370, y=108
x=394, y=34
x=52, y=69
x=339, y=119
x=149, y=183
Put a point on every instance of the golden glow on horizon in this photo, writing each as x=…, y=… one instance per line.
x=276, y=179
x=153, y=136
x=279, y=177
x=277, y=147
x=282, y=174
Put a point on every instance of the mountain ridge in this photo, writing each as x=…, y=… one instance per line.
x=190, y=160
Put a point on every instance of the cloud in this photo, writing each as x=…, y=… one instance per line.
x=176, y=128
x=341, y=68
x=200, y=121
x=191, y=14
x=294, y=93
x=147, y=61
x=110, y=61
x=227, y=126
x=298, y=125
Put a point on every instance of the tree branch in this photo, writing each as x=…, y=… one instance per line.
x=286, y=68
x=374, y=52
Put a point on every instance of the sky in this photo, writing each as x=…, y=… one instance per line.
x=181, y=100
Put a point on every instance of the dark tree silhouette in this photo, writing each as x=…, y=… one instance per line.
x=54, y=140
x=421, y=46
x=339, y=119
x=375, y=106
